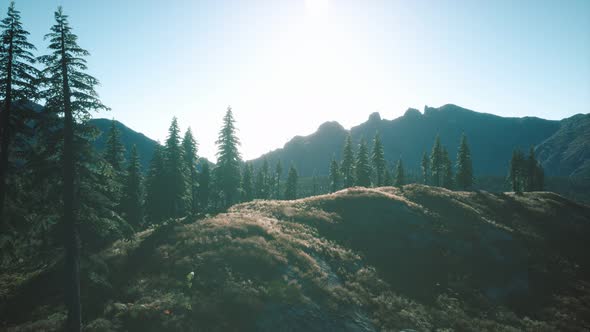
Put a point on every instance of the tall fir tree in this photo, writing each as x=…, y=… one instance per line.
x=279, y=174
x=155, y=202
x=347, y=164
x=447, y=173
x=400, y=176
x=436, y=163
x=362, y=167
x=534, y=173
x=132, y=201
x=17, y=84
x=189, y=152
x=378, y=160
x=175, y=173
x=464, y=166
x=204, y=191
x=114, y=150
x=291, y=185
x=227, y=172
x=247, y=184
x=334, y=175
x=425, y=166
x=70, y=91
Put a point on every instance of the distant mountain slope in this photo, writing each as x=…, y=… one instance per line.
x=492, y=138
x=384, y=259
x=129, y=137
x=567, y=151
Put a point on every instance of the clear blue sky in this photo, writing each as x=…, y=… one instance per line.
x=287, y=66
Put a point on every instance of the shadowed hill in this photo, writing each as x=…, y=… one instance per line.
x=361, y=259
x=492, y=138
x=129, y=137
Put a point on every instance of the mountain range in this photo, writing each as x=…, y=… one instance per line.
x=562, y=147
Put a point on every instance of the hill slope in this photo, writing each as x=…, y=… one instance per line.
x=492, y=138
x=129, y=137
x=567, y=152
x=358, y=260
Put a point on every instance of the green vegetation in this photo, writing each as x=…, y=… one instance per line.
x=318, y=263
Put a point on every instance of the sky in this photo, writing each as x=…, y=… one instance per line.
x=287, y=66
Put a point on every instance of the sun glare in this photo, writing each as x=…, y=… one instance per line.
x=316, y=7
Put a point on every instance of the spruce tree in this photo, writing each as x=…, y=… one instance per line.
x=387, y=177
x=259, y=184
x=70, y=91
x=347, y=165
x=400, y=177
x=114, y=150
x=425, y=165
x=278, y=173
x=227, y=172
x=334, y=175
x=175, y=173
x=291, y=186
x=247, y=185
x=155, y=203
x=204, y=190
x=17, y=84
x=517, y=174
x=132, y=191
x=378, y=160
x=464, y=166
x=362, y=167
x=189, y=152
x=265, y=188
x=534, y=173
x=447, y=173
x=436, y=163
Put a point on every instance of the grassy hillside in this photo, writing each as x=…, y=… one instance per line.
x=361, y=259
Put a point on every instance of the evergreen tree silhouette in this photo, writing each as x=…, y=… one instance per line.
x=464, y=165
x=70, y=91
x=17, y=84
x=362, y=167
x=227, y=171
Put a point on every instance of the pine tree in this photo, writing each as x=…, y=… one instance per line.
x=347, y=165
x=425, y=165
x=387, y=178
x=464, y=166
x=155, y=203
x=291, y=186
x=227, y=172
x=378, y=160
x=114, y=150
x=447, y=181
x=534, y=173
x=17, y=83
x=259, y=184
x=265, y=188
x=334, y=175
x=279, y=173
x=362, y=167
x=204, y=179
x=436, y=163
x=69, y=91
x=517, y=174
x=132, y=201
x=175, y=173
x=400, y=177
x=247, y=185
x=189, y=152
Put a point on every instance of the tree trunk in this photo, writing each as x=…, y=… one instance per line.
x=71, y=236
x=5, y=132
